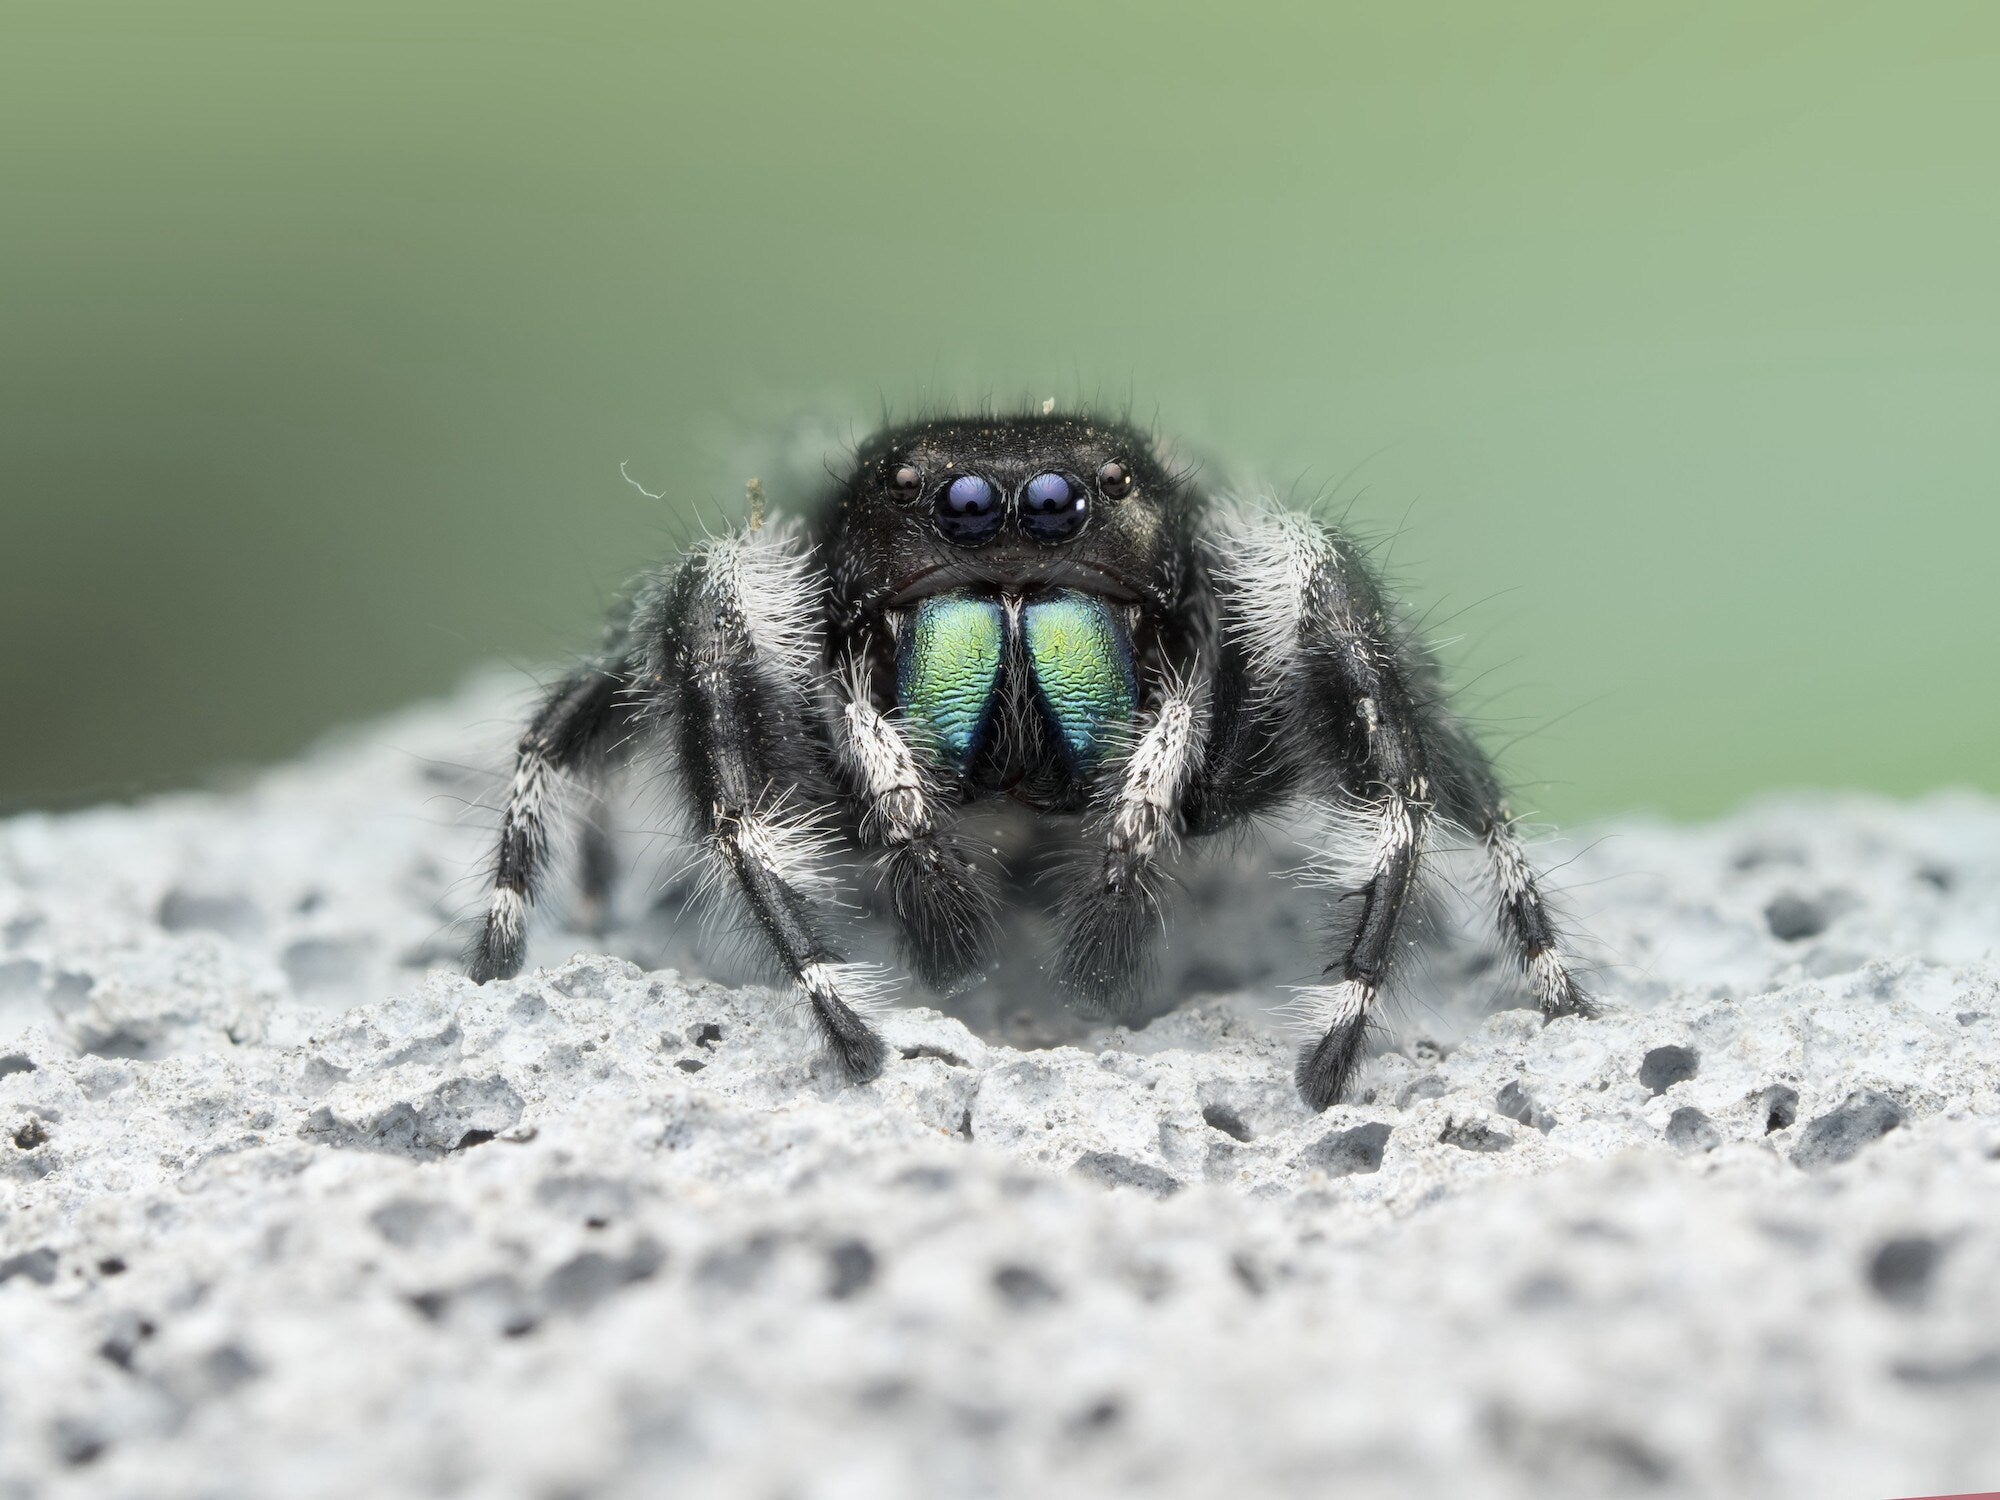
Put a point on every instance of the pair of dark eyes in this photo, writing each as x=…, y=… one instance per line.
x=1053, y=507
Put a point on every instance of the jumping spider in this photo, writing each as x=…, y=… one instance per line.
x=1037, y=608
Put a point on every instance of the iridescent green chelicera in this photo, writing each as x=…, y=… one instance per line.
x=1083, y=672
x=947, y=671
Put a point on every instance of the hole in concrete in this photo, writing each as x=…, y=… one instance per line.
x=1937, y=876
x=31, y=1135
x=1354, y=1152
x=111, y=1265
x=1758, y=856
x=690, y=1064
x=407, y=1222
x=1098, y=1416
x=1779, y=1106
x=78, y=1443
x=1112, y=1170
x=1516, y=1103
x=232, y=915
x=850, y=1268
x=229, y=1367
x=13, y=1062
x=1024, y=1287
x=924, y=1049
x=738, y=1268
x=926, y=1179
x=20, y=979
x=1842, y=1134
x=1221, y=1117
x=38, y=1266
x=707, y=1034
x=1902, y=1269
x=1688, y=1129
x=1973, y=1369
x=122, y=1343
x=1663, y=1067
x=315, y=965
x=126, y=1043
x=1793, y=918
x=69, y=989
x=1475, y=1135
x=584, y=1280
x=1247, y=1274
x=584, y=1197
x=473, y=1138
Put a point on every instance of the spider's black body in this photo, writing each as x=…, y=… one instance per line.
x=1035, y=608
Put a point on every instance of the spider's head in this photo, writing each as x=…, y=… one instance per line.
x=1013, y=506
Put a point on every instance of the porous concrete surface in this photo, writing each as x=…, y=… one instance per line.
x=292, y=1209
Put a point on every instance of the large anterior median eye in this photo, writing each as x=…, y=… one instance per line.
x=968, y=510
x=1053, y=507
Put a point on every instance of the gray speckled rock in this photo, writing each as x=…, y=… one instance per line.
x=293, y=1210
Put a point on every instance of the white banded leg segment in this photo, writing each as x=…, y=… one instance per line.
x=581, y=725
x=1316, y=1009
x=767, y=579
x=1109, y=909
x=506, y=918
x=864, y=989
x=1156, y=775
x=944, y=906
x=1526, y=923
x=1268, y=561
x=884, y=767
x=776, y=862
x=738, y=637
x=1379, y=868
x=794, y=849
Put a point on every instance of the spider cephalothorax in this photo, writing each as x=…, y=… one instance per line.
x=1035, y=608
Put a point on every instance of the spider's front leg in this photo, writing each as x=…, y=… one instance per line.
x=584, y=725
x=736, y=639
x=943, y=904
x=1111, y=907
x=1352, y=711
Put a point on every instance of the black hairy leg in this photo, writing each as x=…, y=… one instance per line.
x=1470, y=795
x=597, y=855
x=1110, y=908
x=585, y=723
x=1341, y=708
x=734, y=640
x=1044, y=611
x=944, y=905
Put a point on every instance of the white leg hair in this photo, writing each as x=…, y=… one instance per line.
x=878, y=755
x=1355, y=843
x=1266, y=558
x=1525, y=919
x=1156, y=773
x=767, y=576
x=865, y=989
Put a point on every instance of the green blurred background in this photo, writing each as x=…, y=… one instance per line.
x=1667, y=337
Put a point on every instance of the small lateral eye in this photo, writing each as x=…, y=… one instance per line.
x=968, y=510
x=1053, y=507
x=1114, y=481
x=906, y=482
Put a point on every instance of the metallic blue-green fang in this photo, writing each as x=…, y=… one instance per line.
x=947, y=670
x=1083, y=672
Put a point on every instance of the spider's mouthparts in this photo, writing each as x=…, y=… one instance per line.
x=1013, y=579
